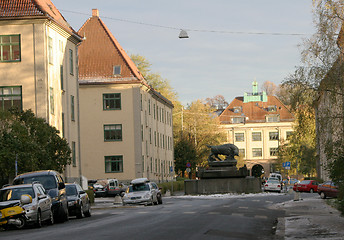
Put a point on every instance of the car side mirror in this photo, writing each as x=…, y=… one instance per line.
x=61, y=185
x=82, y=192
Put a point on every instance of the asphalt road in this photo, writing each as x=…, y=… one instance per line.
x=177, y=218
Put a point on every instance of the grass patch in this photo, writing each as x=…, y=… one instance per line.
x=177, y=186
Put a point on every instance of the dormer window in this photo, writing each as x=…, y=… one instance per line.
x=238, y=119
x=117, y=70
x=237, y=109
x=272, y=108
x=272, y=118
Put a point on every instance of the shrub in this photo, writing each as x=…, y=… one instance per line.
x=177, y=186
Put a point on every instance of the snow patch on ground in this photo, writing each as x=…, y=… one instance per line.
x=227, y=195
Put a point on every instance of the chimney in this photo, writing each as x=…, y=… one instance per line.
x=95, y=13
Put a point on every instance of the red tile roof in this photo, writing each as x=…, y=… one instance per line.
x=100, y=52
x=255, y=112
x=16, y=9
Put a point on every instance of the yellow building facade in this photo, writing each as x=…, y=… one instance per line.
x=38, y=68
x=126, y=126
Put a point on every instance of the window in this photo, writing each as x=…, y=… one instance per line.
x=111, y=101
x=73, y=154
x=273, y=152
x=288, y=134
x=51, y=51
x=238, y=119
x=10, y=48
x=72, y=107
x=149, y=106
x=71, y=62
x=10, y=97
x=237, y=109
x=272, y=118
x=242, y=152
x=63, y=125
x=256, y=136
x=61, y=76
x=239, y=137
x=273, y=136
x=52, y=102
x=272, y=108
x=116, y=70
x=256, y=152
x=113, y=164
x=113, y=132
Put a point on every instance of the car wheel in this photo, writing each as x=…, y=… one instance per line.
x=88, y=212
x=79, y=212
x=22, y=222
x=39, y=220
x=322, y=195
x=311, y=191
x=51, y=218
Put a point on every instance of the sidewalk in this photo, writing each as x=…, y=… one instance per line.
x=310, y=218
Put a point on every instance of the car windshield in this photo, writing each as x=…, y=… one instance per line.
x=15, y=193
x=305, y=182
x=139, y=187
x=48, y=181
x=71, y=190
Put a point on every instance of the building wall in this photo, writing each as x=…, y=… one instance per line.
x=138, y=127
x=265, y=144
x=40, y=78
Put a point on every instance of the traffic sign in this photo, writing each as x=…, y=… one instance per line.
x=286, y=165
x=188, y=170
x=188, y=165
x=171, y=169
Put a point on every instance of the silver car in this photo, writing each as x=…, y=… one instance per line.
x=39, y=205
x=142, y=191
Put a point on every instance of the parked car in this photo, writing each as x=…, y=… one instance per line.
x=306, y=186
x=293, y=181
x=53, y=183
x=78, y=201
x=142, y=191
x=39, y=207
x=276, y=175
x=108, y=187
x=328, y=189
x=273, y=185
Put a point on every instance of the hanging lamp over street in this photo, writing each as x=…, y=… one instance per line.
x=183, y=34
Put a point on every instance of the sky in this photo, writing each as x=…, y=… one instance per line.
x=213, y=60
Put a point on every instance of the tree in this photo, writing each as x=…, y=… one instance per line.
x=218, y=102
x=269, y=88
x=154, y=79
x=30, y=141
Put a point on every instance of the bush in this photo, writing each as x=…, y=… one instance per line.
x=177, y=186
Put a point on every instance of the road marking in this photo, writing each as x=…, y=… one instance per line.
x=226, y=206
x=243, y=207
x=213, y=213
x=269, y=201
x=255, y=200
x=142, y=212
x=189, y=212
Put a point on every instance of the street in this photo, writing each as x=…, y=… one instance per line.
x=184, y=217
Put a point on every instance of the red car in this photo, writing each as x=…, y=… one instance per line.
x=306, y=186
x=328, y=189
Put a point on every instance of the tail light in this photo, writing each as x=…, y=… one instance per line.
x=266, y=185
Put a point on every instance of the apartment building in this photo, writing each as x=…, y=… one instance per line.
x=257, y=124
x=126, y=126
x=38, y=68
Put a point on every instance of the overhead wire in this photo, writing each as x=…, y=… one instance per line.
x=194, y=30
